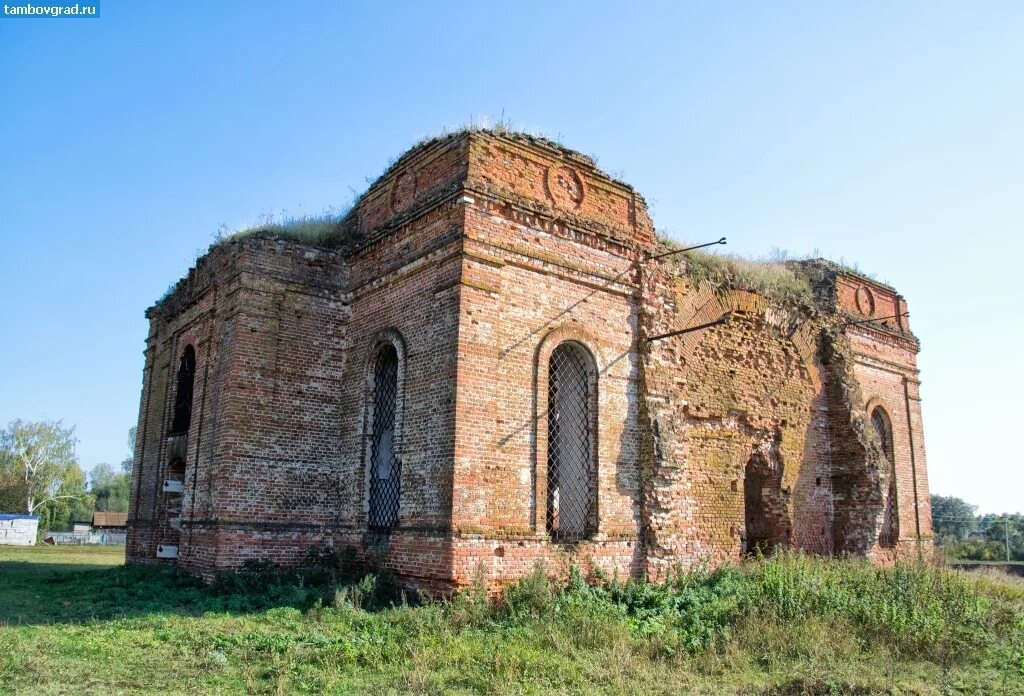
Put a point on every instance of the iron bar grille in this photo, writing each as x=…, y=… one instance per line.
x=571, y=503
x=385, y=466
x=890, y=527
x=880, y=421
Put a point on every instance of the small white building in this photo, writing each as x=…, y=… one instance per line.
x=18, y=530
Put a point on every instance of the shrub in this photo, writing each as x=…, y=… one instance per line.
x=531, y=597
x=693, y=610
x=472, y=606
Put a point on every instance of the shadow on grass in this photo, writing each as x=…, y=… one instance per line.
x=42, y=590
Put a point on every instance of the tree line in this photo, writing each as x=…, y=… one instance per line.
x=964, y=534
x=40, y=475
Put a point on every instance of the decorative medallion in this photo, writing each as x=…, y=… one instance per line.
x=565, y=187
x=865, y=300
x=403, y=190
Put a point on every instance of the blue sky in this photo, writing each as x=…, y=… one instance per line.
x=886, y=134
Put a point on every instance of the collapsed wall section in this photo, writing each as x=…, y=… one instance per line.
x=738, y=421
x=882, y=501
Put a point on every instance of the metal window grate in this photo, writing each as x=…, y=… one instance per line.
x=890, y=522
x=889, y=534
x=571, y=503
x=385, y=466
x=880, y=421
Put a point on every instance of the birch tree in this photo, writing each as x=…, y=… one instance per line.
x=40, y=455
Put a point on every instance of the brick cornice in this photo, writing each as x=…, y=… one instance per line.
x=887, y=336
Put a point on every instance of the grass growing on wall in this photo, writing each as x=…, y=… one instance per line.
x=334, y=229
x=775, y=279
x=329, y=230
x=74, y=621
x=781, y=277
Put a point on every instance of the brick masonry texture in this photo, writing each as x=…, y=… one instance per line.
x=474, y=257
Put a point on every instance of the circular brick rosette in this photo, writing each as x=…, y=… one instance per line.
x=865, y=300
x=565, y=187
x=403, y=190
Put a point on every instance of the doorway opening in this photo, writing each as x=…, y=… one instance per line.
x=767, y=526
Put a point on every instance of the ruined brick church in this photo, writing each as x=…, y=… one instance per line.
x=493, y=362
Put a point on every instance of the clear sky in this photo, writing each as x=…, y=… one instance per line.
x=888, y=134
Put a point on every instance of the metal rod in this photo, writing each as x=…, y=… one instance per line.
x=1006, y=535
x=724, y=319
x=680, y=251
x=868, y=321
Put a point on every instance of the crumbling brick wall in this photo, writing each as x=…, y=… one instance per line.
x=473, y=258
x=725, y=400
x=875, y=363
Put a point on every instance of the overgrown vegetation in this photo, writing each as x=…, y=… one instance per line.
x=789, y=281
x=331, y=229
x=334, y=229
x=786, y=625
x=775, y=278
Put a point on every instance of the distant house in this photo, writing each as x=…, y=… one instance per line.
x=81, y=527
x=110, y=521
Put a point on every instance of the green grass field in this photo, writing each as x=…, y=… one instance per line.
x=73, y=620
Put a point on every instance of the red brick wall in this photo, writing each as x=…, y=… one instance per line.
x=539, y=176
x=189, y=317
x=476, y=255
x=549, y=255
x=516, y=307
x=716, y=398
x=886, y=368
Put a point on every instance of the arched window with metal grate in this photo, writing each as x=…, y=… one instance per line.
x=183, y=394
x=882, y=426
x=385, y=464
x=572, y=430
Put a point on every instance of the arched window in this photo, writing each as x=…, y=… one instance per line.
x=890, y=521
x=880, y=422
x=572, y=428
x=385, y=465
x=183, y=395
